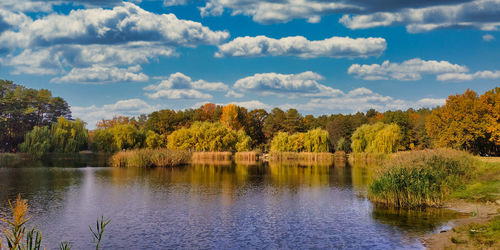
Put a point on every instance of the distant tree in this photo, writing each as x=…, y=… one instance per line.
x=68, y=136
x=462, y=123
x=231, y=117
x=37, y=142
x=21, y=109
x=206, y=136
x=65, y=136
x=376, y=138
x=274, y=123
x=491, y=100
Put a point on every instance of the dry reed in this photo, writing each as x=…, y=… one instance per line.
x=150, y=158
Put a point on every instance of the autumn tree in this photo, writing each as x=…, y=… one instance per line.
x=462, y=123
x=231, y=117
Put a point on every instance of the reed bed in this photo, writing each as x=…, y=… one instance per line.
x=246, y=158
x=421, y=178
x=144, y=158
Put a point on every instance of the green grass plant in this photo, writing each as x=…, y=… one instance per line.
x=422, y=178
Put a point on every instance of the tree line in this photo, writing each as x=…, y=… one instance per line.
x=467, y=121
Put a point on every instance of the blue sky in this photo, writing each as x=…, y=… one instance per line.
x=111, y=58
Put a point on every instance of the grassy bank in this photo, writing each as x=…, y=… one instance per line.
x=477, y=235
x=150, y=158
x=423, y=178
x=246, y=158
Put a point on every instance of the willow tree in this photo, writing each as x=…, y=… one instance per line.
x=37, y=142
x=315, y=140
x=68, y=136
x=65, y=136
x=207, y=136
x=376, y=138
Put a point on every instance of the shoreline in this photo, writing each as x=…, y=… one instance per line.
x=481, y=213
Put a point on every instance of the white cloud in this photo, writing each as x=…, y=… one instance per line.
x=122, y=36
x=488, y=38
x=99, y=75
x=180, y=86
x=478, y=14
x=130, y=107
x=467, y=77
x=122, y=24
x=360, y=99
x=174, y=2
x=271, y=11
x=301, y=47
x=303, y=84
x=232, y=93
x=179, y=94
x=408, y=70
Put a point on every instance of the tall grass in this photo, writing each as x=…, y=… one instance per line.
x=246, y=158
x=212, y=158
x=421, y=178
x=145, y=158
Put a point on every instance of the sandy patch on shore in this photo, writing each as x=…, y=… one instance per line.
x=480, y=213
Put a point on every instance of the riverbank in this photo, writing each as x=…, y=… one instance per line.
x=481, y=200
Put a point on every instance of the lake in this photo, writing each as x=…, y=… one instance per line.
x=212, y=206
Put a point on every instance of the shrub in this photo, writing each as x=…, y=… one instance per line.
x=421, y=178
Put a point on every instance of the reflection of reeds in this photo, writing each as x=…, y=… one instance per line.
x=246, y=158
x=302, y=158
x=223, y=158
x=150, y=158
x=367, y=158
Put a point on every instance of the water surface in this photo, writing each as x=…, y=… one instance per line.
x=212, y=207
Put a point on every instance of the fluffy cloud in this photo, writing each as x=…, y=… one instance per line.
x=232, y=93
x=130, y=107
x=479, y=14
x=408, y=70
x=122, y=24
x=360, y=99
x=488, y=38
x=122, y=36
x=303, y=84
x=301, y=47
x=417, y=16
x=99, y=74
x=180, y=86
x=52, y=60
x=467, y=77
x=272, y=11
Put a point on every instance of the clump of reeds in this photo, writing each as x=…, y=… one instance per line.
x=211, y=157
x=421, y=178
x=302, y=158
x=145, y=158
x=246, y=158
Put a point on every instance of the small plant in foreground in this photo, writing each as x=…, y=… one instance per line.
x=99, y=230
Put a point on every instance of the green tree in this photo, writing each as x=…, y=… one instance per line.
x=37, y=142
x=376, y=138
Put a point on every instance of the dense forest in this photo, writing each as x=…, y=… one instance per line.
x=467, y=121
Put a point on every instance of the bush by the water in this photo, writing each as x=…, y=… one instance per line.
x=150, y=158
x=422, y=178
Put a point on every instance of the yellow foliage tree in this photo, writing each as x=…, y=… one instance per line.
x=230, y=117
x=461, y=123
